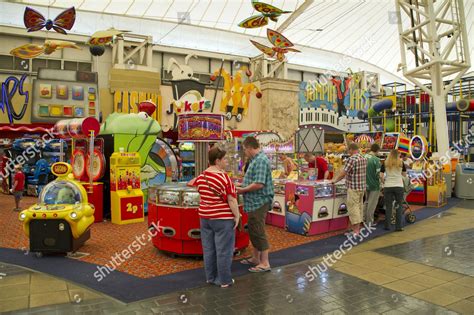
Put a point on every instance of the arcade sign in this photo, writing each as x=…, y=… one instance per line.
x=418, y=147
x=61, y=169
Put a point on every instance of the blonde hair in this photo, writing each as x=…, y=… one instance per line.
x=393, y=160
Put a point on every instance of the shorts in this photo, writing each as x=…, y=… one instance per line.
x=18, y=195
x=355, y=205
x=256, y=226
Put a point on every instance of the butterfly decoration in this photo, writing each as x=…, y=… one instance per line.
x=104, y=37
x=34, y=21
x=267, y=12
x=281, y=45
x=29, y=51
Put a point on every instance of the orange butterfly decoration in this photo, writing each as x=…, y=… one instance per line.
x=29, y=51
x=266, y=12
x=281, y=45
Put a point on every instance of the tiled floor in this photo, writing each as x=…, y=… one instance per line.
x=399, y=273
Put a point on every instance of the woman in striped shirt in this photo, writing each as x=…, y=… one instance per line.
x=219, y=215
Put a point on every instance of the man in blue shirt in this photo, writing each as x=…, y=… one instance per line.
x=257, y=189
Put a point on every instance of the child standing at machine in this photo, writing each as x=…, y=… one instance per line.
x=18, y=186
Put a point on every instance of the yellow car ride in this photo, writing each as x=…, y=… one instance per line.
x=61, y=221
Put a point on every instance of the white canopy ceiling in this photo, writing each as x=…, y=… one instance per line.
x=362, y=29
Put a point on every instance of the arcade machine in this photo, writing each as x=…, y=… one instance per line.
x=139, y=132
x=340, y=214
x=53, y=152
x=418, y=148
x=187, y=154
x=40, y=177
x=87, y=159
x=126, y=196
x=21, y=151
x=174, y=209
x=465, y=180
x=60, y=222
x=309, y=207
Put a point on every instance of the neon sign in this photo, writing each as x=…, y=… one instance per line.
x=7, y=94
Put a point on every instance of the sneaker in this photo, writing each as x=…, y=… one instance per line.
x=228, y=285
x=16, y=209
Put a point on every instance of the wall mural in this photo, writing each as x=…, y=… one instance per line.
x=10, y=87
x=236, y=95
x=338, y=94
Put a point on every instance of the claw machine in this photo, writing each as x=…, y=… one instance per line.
x=126, y=196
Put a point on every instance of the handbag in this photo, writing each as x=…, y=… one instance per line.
x=224, y=199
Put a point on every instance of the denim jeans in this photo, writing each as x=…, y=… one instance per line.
x=391, y=194
x=218, y=242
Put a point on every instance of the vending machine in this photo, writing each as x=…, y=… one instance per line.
x=126, y=196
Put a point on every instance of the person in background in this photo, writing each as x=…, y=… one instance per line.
x=288, y=164
x=257, y=189
x=319, y=163
x=219, y=216
x=407, y=161
x=373, y=183
x=18, y=186
x=354, y=171
x=394, y=170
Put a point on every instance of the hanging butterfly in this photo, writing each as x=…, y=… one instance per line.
x=267, y=12
x=34, y=21
x=29, y=51
x=281, y=45
x=104, y=37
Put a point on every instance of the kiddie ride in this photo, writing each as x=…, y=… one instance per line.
x=60, y=222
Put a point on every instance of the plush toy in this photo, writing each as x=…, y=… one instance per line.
x=66, y=196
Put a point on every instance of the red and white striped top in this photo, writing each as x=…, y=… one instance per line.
x=213, y=189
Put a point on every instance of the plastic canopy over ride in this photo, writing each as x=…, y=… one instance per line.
x=326, y=31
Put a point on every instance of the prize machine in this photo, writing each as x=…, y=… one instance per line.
x=309, y=207
x=187, y=155
x=435, y=184
x=418, y=148
x=60, y=222
x=87, y=159
x=139, y=132
x=173, y=209
x=126, y=196
x=276, y=215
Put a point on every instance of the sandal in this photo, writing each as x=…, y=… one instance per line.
x=228, y=285
x=260, y=269
x=247, y=261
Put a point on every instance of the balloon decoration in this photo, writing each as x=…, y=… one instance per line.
x=35, y=21
x=281, y=45
x=29, y=51
x=97, y=50
x=99, y=39
x=267, y=12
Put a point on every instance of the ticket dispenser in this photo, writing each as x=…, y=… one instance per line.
x=126, y=196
